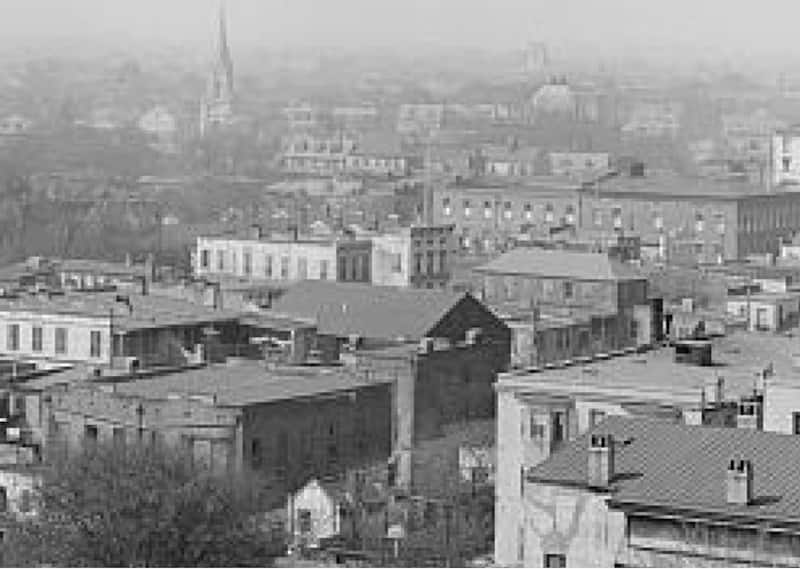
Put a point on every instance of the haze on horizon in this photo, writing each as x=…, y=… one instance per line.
x=604, y=25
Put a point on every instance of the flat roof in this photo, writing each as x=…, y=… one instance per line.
x=681, y=187
x=242, y=383
x=654, y=375
x=146, y=311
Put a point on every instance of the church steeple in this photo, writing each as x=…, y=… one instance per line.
x=217, y=108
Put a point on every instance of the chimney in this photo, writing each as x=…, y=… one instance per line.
x=601, y=461
x=472, y=336
x=255, y=232
x=739, y=482
x=128, y=260
x=747, y=417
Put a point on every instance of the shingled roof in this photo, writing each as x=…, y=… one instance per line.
x=380, y=312
x=682, y=468
x=560, y=263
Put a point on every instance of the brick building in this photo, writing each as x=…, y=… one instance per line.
x=442, y=351
x=419, y=256
x=485, y=218
x=692, y=220
x=286, y=423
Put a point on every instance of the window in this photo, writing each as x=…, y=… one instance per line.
x=443, y=261
x=487, y=209
x=61, y=340
x=220, y=260
x=558, y=428
x=528, y=211
x=569, y=217
x=205, y=258
x=256, y=456
x=268, y=266
x=397, y=263
x=548, y=213
x=507, y=210
x=787, y=163
x=90, y=434
x=446, y=207
x=418, y=263
x=555, y=560
x=430, y=263
x=12, y=342
x=3, y=499
x=597, y=217
x=617, y=216
x=796, y=423
x=302, y=268
x=284, y=267
x=699, y=222
x=25, y=501
x=595, y=417
x=467, y=208
x=323, y=270
x=658, y=221
x=354, y=268
x=247, y=260
x=342, y=269
x=36, y=338
x=304, y=521
x=536, y=429
x=94, y=343
x=568, y=290
x=118, y=437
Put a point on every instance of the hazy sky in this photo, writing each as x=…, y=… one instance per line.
x=731, y=24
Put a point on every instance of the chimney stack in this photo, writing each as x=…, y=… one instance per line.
x=601, y=461
x=739, y=482
x=748, y=416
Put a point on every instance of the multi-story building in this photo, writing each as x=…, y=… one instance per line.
x=504, y=162
x=646, y=493
x=443, y=351
x=554, y=406
x=603, y=299
x=748, y=136
x=419, y=256
x=694, y=220
x=286, y=423
x=486, y=217
x=322, y=154
x=110, y=329
x=420, y=119
x=785, y=156
x=285, y=260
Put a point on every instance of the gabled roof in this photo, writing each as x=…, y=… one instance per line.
x=379, y=312
x=559, y=263
x=683, y=468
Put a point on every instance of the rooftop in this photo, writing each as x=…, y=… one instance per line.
x=368, y=311
x=129, y=311
x=655, y=376
x=683, y=187
x=248, y=383
x=562, y=263
x=680, y=467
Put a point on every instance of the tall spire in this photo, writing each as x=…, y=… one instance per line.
x=224, y=53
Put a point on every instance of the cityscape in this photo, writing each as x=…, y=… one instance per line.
x=399, y=284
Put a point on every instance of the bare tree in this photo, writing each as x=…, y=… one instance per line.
x=140, y=507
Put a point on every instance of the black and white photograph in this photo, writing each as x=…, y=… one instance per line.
x=399, y=283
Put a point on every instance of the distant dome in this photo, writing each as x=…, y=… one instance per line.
x=554, y=98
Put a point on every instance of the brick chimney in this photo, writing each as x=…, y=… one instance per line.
x=601, y=461
x=739, y=482
x=748, y=415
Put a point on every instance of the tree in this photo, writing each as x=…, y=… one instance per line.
x=140, y=507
